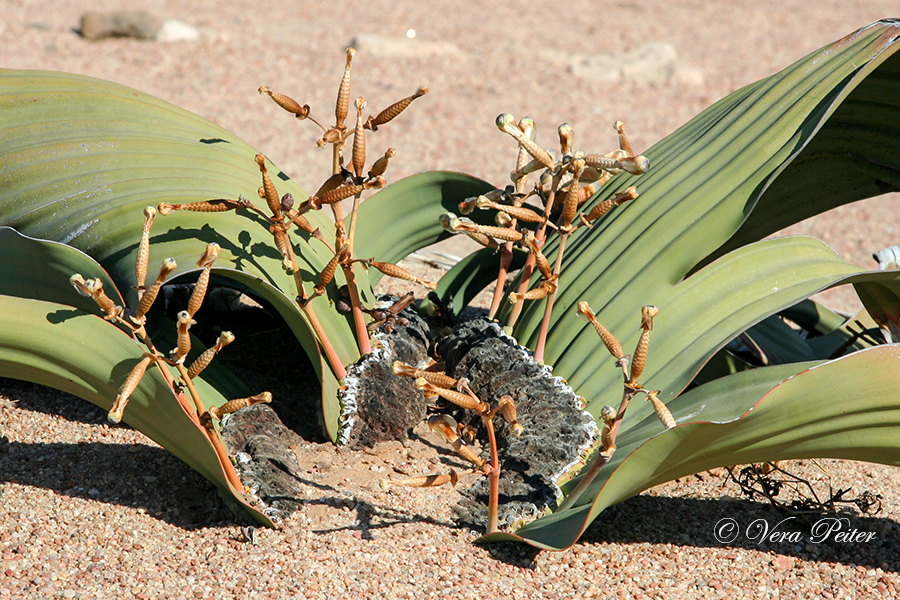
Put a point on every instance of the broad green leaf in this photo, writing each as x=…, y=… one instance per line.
x=704, y=180
x=721, y=364
x=82, y=354
x=823, y=335
x=847, y=408
x=687, y=331
x=51, y=335
x=728, y=174
x=852, y=154
x=80, y=158
x=403, y=217
x=462, y=282
x=40, y=269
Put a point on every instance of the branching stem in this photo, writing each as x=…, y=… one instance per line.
x=548, y=307
x=506, y=255
x=359, y=321
x=603, y=456
x=189, y=384
x=493, y=475
x=528, y=269
x=214, y=439
x=336, y=365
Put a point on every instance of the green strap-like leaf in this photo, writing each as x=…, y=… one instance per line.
x=464, y=280
x=846, y=408
x=698, y=316
x=41, y=269
x=403, y=217
x=703, y=179
x=51, y=335
x=79, y=353
x=853, y=155
x=80, y=158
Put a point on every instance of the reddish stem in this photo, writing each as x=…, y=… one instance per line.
x=493, y=476
x=303, y=300
x=336, y=365
x=602, y=458
x=359, y=322
x=527, y=270
x=192, y=412
x=505, y=261
x=198, y=403
x=179, y=396
x=548, y=307
x=212, y=435
x=524, y=280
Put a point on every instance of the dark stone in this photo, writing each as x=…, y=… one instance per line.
x=556, y=430
x=137, y=24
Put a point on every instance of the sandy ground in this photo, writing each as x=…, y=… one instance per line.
x=90, y=510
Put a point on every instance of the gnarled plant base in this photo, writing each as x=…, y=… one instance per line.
x=556, y=432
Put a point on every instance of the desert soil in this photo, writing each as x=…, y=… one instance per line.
x=90, y=510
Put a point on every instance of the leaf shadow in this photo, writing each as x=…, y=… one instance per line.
x=245, y=252
x=62, y=315
x=45, y=400
x=694, y=522
x=118, y=474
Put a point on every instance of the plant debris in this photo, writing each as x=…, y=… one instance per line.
x=795, y=496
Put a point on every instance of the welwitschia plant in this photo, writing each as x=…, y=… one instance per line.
x=81, y=158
